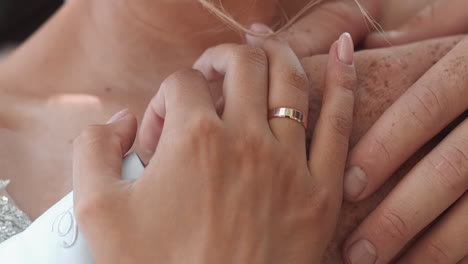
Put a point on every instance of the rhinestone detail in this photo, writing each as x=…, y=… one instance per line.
x=12, y=220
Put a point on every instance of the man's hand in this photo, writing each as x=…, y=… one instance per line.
x=384, y=75
x=316, y=31
x=437, y=184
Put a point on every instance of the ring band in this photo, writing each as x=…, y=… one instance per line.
x=293, y=114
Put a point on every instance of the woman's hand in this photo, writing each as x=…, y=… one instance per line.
x=434, y=189
x=235, y=188
x=441, y=18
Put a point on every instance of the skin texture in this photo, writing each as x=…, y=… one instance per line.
x=94, y=72
x=65, y=91
x=235, y=184
x=436, y=187
x=439, y=19
x=383, y=76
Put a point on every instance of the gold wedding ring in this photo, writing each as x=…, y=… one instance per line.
x=293, y=114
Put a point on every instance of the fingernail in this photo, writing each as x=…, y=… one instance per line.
x=346, y=49
x=362, y=252
x=355, y=181
x=261, y=28
x=118, y=116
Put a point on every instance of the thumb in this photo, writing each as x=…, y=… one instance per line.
x=441, y=18
x=316, y=31
x=98, y=153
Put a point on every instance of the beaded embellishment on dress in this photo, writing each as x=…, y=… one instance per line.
x=12, y=219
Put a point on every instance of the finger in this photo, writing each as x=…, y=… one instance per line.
x=435, y=100
x=446, y=242
x=441, y=18
x=98, y=154
x=464, y=260
x=289, y=88
x=182, y=96
x=319, y=28
x=330, y=141
x=245, y=71
x=426, y=192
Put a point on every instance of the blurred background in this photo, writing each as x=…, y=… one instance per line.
x=19, y=18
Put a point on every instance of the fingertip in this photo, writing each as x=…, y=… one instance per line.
x=262, y=32
x=150, y=132
x=345, y=49
x=342, y=52
x=123, y=120
x=126, y=128
x=261, y=28
x=203, y=65
x=118, y=116
x=355, y=183
x=361, y=251
x=341, y=72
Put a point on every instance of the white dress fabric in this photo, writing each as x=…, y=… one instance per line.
x=54, y=237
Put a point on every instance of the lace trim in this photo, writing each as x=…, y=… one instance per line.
x=12, y=220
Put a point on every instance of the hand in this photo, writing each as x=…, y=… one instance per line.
x=441, y=18
x=436, y=185
x=383, y=77
x=319, y=28
x=234, y=188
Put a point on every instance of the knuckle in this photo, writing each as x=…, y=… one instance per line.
x=96, y=136
x=205, y=124
x=341, y=124
x=426, y=105
x=347, y=79
x=181, y=78
x=93, y=204
x=251, y=55
x=253, y=143
x=91, y=134
x=435, y=250
x=321, y=202
x=321, y=205
x=205, y=128
x=451, y=165
x=252, y=148
x=380, y=143
x=342, y=77
x=296, y=78
x=393, y=226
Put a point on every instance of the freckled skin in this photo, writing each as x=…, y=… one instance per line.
x=383, y=76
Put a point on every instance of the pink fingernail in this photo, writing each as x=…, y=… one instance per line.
x=355, y=181
x=261, y=28
x=346, y=49
x=118, y=116
x=362, y=252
